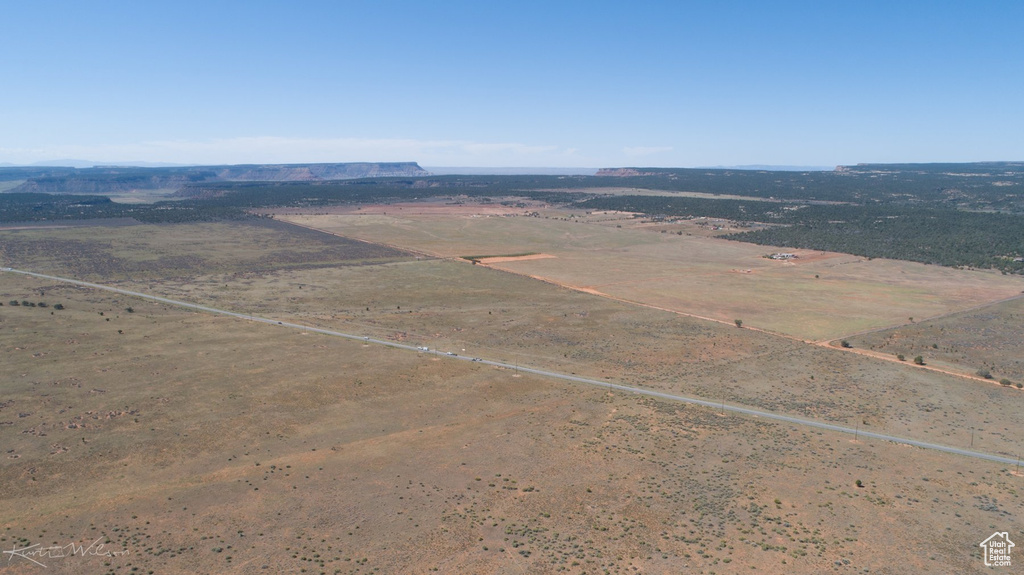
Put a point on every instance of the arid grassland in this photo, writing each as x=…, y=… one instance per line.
x=302, y=451
x=207, y=444
x=475, y=311
x=986, y=340
x=168, y=250
x=817, y=296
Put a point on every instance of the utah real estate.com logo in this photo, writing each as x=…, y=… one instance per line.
x=997, y=549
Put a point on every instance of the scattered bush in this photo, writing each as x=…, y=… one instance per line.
x=918, y=360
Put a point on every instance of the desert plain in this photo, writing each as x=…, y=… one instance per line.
x=192, y=442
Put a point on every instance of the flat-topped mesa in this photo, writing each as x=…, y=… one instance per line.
x=622, y=172
x=119, y=179
x=315, y=172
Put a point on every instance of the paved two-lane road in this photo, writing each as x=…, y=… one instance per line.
x=562, y=376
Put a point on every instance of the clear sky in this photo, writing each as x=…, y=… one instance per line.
x=478, y=83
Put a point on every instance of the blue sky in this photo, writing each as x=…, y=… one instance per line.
x=578, y=84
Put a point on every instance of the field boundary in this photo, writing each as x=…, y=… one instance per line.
x=721, y=405
x=826, y=343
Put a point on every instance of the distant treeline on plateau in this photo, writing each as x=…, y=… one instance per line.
x=965, y=215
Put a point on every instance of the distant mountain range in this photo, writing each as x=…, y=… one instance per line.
x=168, y=180
x=90, y=164
x=120, y=179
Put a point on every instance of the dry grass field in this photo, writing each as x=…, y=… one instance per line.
x=481, y=312
x=815, y=297
x=211, y=445
x=983, y=339
x=114, y=253
x=206, y=444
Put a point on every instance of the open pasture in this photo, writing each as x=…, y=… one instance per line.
x=986, y=340
x=483, y=312
x=115, y=253
x=817, y=296
x=207, y=444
